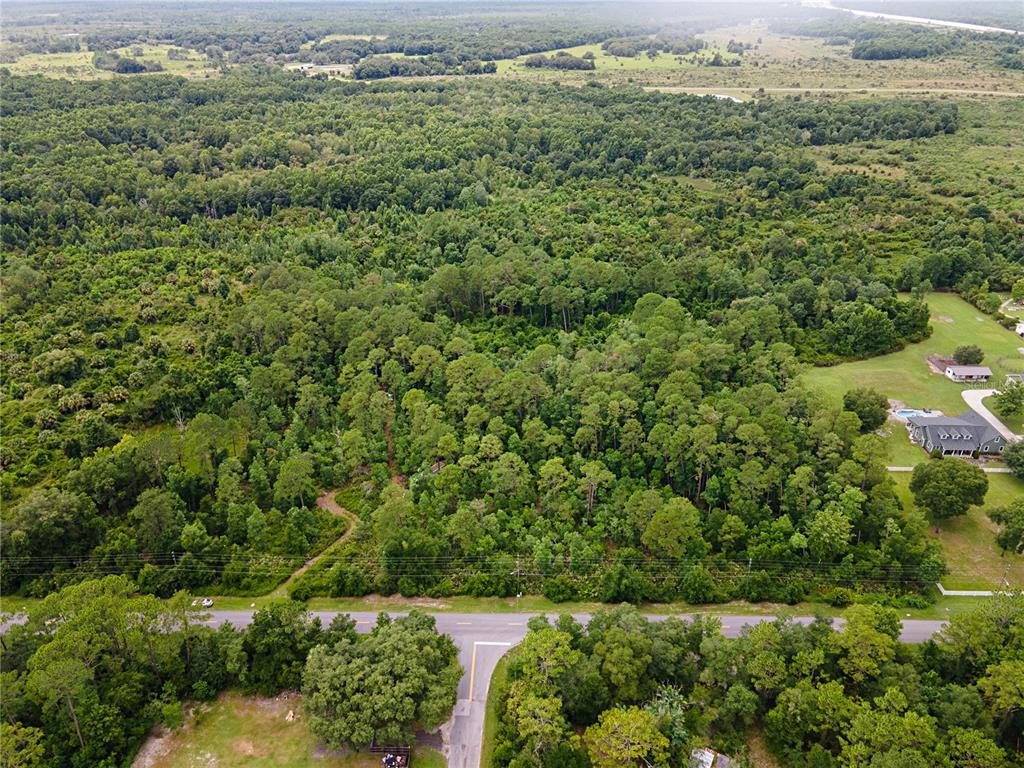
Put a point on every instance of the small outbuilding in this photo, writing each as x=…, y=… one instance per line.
x=968, y=373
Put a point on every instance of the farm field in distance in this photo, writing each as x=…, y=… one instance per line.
x=352, y=352
x=78, y=65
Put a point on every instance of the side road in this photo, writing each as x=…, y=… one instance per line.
x=483, y=638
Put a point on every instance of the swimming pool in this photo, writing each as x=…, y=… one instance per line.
x=906, y=413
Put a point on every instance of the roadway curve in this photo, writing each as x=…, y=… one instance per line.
x=482, y=639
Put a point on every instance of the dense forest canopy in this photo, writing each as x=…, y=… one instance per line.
x=874, y=40
x=622, y=691
x=549, y=335
x=94, y=667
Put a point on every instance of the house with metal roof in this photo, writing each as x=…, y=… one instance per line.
x=965, y=435
x=968, y=372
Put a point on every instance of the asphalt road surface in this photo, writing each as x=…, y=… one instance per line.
x=482, y=639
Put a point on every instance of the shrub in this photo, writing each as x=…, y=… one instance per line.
x=968, y=354
x=559, y=589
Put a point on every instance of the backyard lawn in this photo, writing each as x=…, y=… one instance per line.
x=905, y=375
x=239, y=730
x=973, y=559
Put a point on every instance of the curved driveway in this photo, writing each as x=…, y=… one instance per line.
x=973, y=398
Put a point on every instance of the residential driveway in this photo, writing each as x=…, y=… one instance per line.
x=973, y=398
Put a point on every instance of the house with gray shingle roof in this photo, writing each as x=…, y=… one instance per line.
x=964, y=435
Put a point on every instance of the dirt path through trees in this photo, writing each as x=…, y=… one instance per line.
x=328, y=502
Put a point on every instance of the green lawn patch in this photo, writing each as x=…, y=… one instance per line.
x=906, y=376
x=1014, y=422
x=968, y=542
x=604, y=62
x=255, y=732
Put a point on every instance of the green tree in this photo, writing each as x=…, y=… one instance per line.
x=1011, y=526
x=382, y=686
x=23, y=746
x=595, y=477
x=624, y=737
x=970, y=748
x=275, y=647
x=295, y=481
x=674, y=531
x=1013, y=455
x=946, y=488
x=869, y=405
x=158, y=518
x=1003, y=688
x=968, y=354
x=828, y=533
x=865, y=646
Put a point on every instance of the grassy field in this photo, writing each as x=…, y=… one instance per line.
x=77, y=65
x=604, y=62
x=980, y=162
x=1014, y=421
x=787, y=64
x=240, y=731
x=493, y=713
x=972, y=556
x=905, y=375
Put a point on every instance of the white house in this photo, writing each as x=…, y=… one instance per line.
x=968, y=372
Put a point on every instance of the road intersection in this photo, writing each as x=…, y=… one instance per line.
x=483, y=638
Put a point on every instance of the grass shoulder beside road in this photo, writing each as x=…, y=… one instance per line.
x=492, y=715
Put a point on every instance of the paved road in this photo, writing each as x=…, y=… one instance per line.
x=482, y=639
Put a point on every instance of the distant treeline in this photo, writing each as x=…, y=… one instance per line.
x=874, y=40
x=630, y=47
x=378, y=67
x=561, y=60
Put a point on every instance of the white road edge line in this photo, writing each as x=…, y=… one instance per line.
x=472, y=664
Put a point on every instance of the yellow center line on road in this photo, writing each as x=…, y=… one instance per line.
x=472, y=673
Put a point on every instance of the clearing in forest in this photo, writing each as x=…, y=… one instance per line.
x=237, y=730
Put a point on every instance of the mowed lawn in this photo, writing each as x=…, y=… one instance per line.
x=969, y=544
x=972, y=557
x=239, y=730
x=906, y=376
